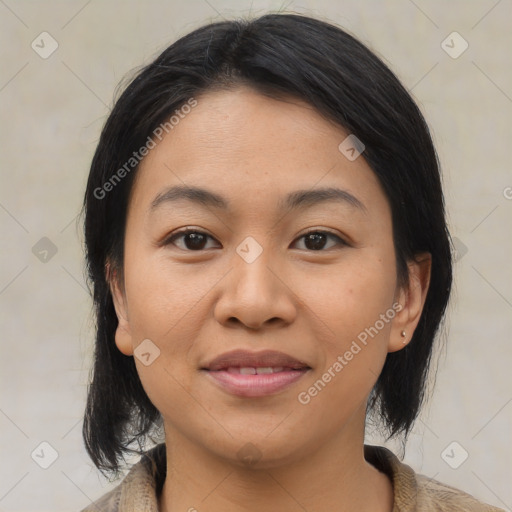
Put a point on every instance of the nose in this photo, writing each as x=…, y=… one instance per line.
x=255, y=295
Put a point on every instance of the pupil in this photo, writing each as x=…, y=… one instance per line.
x=318, y=240
x=196, y=239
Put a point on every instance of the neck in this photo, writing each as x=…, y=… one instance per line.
x=334, y=476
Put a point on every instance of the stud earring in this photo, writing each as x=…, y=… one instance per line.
x=402, y=334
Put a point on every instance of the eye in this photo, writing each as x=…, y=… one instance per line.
x=196, y=240
x=192, y=239
x=316, y=240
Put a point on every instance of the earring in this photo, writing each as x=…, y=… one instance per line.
x=402, y=334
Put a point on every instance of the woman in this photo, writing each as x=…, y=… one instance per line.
x=267, y=245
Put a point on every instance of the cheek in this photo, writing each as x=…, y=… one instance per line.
x=164, y=304
x=350, y=297
x=354, y=349
x=161, y=295
x=353, y=305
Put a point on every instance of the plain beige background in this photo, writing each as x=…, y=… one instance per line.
x=52, y=111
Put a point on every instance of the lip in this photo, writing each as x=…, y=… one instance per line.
x=245, y=358
x=222, y=371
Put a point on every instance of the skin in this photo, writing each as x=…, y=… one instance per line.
x=196, y=304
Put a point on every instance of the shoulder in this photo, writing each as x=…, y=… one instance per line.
x=139, y=489
x=413, y=491
x=434, y=495
x=107, y=503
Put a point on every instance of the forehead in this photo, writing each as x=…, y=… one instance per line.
x=250, y=146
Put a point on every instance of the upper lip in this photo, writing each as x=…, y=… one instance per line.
x=247, y=359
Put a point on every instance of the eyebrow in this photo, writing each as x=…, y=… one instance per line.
x=294, y=200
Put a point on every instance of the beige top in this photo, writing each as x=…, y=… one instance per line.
x=412, y=492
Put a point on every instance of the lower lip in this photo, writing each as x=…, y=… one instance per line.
x=255, y=385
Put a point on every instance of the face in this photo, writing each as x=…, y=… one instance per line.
x=300, y=283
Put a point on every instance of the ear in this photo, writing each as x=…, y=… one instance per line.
x=123, y=335
x=411, y=298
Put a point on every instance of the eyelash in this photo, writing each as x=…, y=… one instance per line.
x=179, y=234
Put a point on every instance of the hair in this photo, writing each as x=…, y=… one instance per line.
x=278, y=55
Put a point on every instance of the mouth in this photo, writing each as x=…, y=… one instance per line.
x=255, y=374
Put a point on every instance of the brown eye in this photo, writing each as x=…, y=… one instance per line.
x=191, y=240
x=317, y=240
x=194, y=240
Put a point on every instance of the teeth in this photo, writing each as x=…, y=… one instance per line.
x=268, y=369
x=255, y=371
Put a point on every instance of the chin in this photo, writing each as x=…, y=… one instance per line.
x=259, y=452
